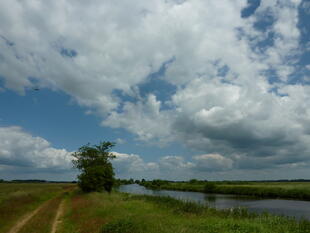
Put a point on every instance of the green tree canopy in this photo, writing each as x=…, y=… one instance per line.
x=96, y=169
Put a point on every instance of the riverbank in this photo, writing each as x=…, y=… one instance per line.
x=125, y=213
x=288, y=190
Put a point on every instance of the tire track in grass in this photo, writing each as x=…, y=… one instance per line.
x=26, y=218
x=59, y=214
x=43, y=220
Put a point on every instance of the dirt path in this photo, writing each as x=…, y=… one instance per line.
x=25, y=219
x=58, y=216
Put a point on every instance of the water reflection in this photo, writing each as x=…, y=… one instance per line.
x=298, y=209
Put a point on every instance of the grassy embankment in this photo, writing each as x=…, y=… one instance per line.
x=292, y=190
x=124, y=213
x=43, y=220
x=18, y=199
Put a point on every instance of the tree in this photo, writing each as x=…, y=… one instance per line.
x=96, y=169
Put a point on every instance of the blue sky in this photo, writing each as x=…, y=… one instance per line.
x=186, y=89
x=55, y=117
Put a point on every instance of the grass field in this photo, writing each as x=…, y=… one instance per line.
x=292, y=190
x=17, y=199
x=125, y=213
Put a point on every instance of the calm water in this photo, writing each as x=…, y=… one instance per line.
x=298, y=209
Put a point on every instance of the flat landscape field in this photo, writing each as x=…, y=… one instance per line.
x=18, y=200
x=62, y=208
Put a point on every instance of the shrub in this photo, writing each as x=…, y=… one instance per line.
x=209, y=187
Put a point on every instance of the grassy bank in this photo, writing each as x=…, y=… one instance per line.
x=43, y=220
x=18, y=199
x=124, y=213
x=291, y=190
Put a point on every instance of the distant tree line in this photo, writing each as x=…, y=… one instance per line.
x=34, y=181
x=29, y=181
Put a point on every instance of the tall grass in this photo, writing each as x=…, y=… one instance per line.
x=260, y=191
x=18, y=199
x=126, y=213
x=123, y=225
x=172, y=203
x=81, y=213
x=43, y=220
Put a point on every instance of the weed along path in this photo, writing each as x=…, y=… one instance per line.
x=58, y=216
x=45, y=219
x=16, y=228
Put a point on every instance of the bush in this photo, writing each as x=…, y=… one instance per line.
x=209, y=187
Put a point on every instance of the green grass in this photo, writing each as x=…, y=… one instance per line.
x=17, y=199
x=43, y=220
x=291, y=190
x=275, y=190
x=125, y=213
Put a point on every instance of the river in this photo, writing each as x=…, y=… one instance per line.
x=292, y=208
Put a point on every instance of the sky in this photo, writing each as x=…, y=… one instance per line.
x=205, y=89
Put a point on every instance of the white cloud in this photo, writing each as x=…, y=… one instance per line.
x=119, y=45
x=131, y=165
x=120, y=141
x=21, y=149
x=170, y=167
x=23, y=156
x=175, y=163
x=143, y=119
x=213, y=162
x=306, y=6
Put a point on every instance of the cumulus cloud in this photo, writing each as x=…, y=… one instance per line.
x=120, y=141
x=170, y=167
x=133, y=166
x=227, y=121
x=20, y=149
x=212, y=162
x=167, y=167
x=27, y=157
x=143, y=118
x=235, y=99
x=206, y=166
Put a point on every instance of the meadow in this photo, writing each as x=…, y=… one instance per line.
x=125, y=213
x=290, y=190
x=18, y=199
